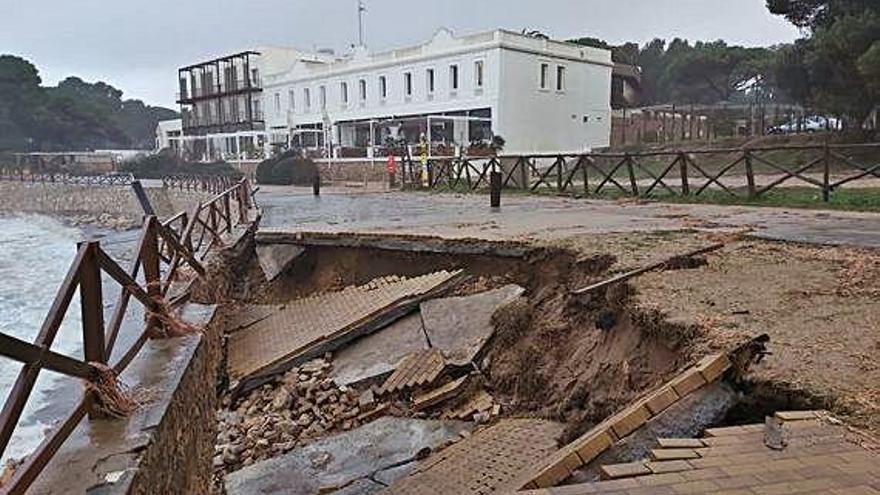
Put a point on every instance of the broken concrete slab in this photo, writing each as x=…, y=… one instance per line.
x=379, y=353
x=461, y=326
x=276, y=258
x=339, y=461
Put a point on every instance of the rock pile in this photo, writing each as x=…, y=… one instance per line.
x=297, y=408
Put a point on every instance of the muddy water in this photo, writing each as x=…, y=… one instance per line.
x=35, y=254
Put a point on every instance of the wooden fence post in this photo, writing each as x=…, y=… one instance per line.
x=152, y=274
x=750, y=173
x=92, y=308
x=683, y=169
x=560, y=162
x=523, y=173
x=826, y=175
x=632, y=175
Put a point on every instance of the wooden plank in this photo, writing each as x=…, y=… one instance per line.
x=633, y=273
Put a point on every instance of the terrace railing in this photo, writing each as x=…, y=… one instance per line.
x=733, y=171
x=164, y=249
x=208, y=183
x=19, y=174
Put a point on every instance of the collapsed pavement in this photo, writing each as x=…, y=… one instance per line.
x=449, y=348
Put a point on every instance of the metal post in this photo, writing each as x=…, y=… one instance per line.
x=316, y=184
x=495, y=189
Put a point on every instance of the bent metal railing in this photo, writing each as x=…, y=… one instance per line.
x=163, y=249
x=675, y=172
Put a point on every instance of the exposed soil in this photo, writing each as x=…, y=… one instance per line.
x=819, y=305
x=579, y=359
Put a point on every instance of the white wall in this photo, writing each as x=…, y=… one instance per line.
x=444, y=99
x=530, y=119
x=535, y=120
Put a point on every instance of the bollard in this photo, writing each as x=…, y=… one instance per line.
x=316, y=184
x=495, y=189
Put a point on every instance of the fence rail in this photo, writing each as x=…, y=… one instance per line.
x=18, y=174
x=209, y=183
x=163, y=250
x=693, y=172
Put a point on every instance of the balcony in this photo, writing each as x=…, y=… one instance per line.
x=229, y=88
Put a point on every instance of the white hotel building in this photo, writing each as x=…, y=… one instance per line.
x=540, y=95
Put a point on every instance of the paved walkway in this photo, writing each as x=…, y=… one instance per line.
x=546, y=218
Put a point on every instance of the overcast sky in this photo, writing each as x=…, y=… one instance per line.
x=136, y=45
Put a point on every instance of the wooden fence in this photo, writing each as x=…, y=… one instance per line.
x=208, y=183
x=164, y=247
x=18, y=174
x=693, y=172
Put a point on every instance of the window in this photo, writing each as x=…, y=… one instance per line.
x=322, y=94
x=560, y=78
x=544, y=73
x=362, y=86
x=277, y=102
x=453, y=77
x=307, y=98
x=383, y=87
x=429, y=77
x=291, y=100
x=478, y=73
x=407, y=83
x=343, y=92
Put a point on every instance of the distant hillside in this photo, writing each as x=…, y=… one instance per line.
x=75, y=115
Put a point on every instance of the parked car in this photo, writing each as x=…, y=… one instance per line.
x=811, y=123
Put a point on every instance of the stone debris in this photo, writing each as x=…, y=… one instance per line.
x=295, y=409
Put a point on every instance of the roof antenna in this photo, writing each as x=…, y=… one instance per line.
x=361, y=9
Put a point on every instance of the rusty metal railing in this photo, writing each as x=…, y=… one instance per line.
x=164, y=247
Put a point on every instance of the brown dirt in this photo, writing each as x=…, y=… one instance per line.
x=819, y=305
x=580, y=359
x=322, y=269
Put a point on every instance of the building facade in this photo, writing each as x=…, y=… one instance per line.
x=450, y=95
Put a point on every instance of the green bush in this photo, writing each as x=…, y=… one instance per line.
x=287, y=169
x=166, y=162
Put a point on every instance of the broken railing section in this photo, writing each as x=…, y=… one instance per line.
x=161, y=252
x=594, y=442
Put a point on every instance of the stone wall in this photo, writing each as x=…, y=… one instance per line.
x=179, y=459
x=108, y=206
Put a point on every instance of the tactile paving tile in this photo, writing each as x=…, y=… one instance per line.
x=310, y=321
x=491, y=460
x=416, y=369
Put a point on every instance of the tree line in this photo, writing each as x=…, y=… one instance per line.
x=834, y=69
x=74, y=115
